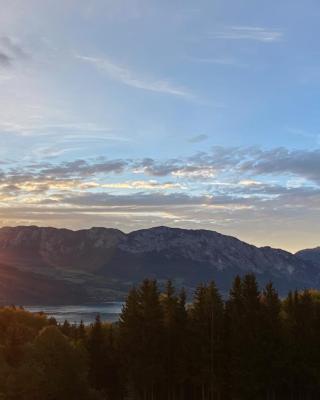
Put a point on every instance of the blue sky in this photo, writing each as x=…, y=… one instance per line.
x=132, y=114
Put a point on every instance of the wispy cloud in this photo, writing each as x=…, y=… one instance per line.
x=198, y=138
x=143, y=185
x=223, y=61
x=14, y=49
x=5, y=60
x=238, y=162
x=220, y=164
x=130, y=78
x=315, y=136
x=10, y=51
x=256, y=33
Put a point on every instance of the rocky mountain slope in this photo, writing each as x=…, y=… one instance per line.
x=100, y=264
x=312, y=255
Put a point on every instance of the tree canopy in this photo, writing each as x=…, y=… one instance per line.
x=249, y=345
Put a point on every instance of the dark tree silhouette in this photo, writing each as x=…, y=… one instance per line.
x=251, y=345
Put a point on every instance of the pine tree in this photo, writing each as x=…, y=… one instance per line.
x=81, y=332
x=130, y=346
x=207, y=330
x=271, y=343
x=151, y=337
x=234, y=339
x=96, y=351
x=66, y=328
x=175, y=325
x=252, y=329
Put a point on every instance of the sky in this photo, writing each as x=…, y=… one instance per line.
x=138, y=113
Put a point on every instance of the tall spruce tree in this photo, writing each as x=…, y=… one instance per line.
x=175, y=340
x=130, y=325
x=252, y=329
x=96, y=349
x=141, y=338
x=271, y=343
x=234, y=339
x=152, y=339
x=207, y=332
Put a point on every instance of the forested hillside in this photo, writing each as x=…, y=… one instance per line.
x=253, y=345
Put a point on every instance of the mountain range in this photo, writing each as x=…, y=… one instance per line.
x=60, y=266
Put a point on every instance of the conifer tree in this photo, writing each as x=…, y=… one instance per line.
x=175, y=337
x=130, y=326
x=207, y=332
x=252, y=328
x=141, y=338
x=96, y=351
x=234, y=338
x=66, y=328
x=81, y=332
x=152, y=336
x=271, y=342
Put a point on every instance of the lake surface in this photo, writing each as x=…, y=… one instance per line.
x=87, y=313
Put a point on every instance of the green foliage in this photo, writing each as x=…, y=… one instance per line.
x=54, y=368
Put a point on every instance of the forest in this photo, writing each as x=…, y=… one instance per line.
x=249, y=345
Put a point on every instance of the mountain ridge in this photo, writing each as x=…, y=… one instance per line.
x=100, y=264
x=312, y=254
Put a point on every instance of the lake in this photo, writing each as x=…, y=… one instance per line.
x=109, y=312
